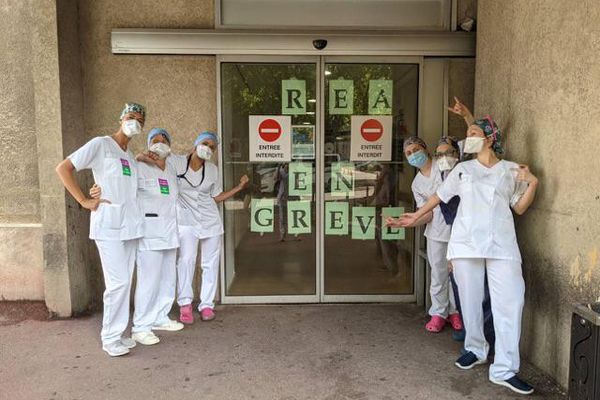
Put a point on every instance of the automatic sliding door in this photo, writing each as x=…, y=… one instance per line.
x=363, y=260
x=270, y=229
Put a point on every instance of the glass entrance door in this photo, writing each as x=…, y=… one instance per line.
x=308, y=228
x=269, y=127
x=369, y=107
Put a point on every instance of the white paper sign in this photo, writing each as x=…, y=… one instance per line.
x=270, y=138
x=371, y=138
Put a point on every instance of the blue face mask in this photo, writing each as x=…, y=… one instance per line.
x=418, y=159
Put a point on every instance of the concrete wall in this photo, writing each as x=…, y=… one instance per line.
x=538, y=69
x=21, y=269
x=461, y=83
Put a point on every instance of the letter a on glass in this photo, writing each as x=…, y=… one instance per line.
x=381, y=92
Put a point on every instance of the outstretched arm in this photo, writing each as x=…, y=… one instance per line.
x=413, y=219
x=226, y=195
x=397, y=223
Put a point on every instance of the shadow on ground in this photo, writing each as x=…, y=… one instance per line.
x=254, y=352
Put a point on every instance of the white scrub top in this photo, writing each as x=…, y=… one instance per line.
x=423, y=188
x=196, y=207
x=157, y=199
x=484, y=226
x=115, y=171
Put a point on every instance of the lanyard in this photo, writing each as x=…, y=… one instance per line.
x=187, y=167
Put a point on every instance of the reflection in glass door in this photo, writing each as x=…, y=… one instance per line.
x=362, y=259
x=270, y=230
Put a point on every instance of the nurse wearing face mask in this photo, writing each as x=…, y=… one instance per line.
x=484, y=239
x=437, y=232
x=115, y=221
x=157, y=249
x=199, y=221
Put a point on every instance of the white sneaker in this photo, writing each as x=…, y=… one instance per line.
x=115, y=349
x=145, y=338
x=127, y=342
x=170, y=325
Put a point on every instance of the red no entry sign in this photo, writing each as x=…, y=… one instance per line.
x=371, y=130
x=269, y=130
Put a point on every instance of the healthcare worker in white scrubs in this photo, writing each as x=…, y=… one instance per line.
x=157, y=249
x=484, y=240
x=115, y=221
x=199, y=221
x=426, y=182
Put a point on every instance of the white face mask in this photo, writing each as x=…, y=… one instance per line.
x=473, y=144
x=446, y=163
x=162, y=150
x=132, y=127
x=204, y=152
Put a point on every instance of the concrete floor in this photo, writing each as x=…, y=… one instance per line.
x=253, y=352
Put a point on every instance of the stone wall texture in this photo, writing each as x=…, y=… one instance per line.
x=21, y=269
x=538, y=74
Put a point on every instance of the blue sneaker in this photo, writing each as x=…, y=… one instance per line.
x=468, y=361
x=515, y=384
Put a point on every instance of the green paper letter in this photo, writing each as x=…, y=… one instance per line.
x=381, y=92
x=300, y=179
x=293, y=97
x=299, y=217
x=341, y=97
x=363, y=223
x=342, y=179
x=388, y=233
x=261, y=215
x=336, y=218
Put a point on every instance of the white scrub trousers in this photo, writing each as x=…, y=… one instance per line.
x=155, y=289
x=118, y=259
x=440, y=289
x=186, y=265
x=507, y=293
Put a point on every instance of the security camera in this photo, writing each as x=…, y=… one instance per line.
x=319, y=44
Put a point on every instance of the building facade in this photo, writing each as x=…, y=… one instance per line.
x=205, y=65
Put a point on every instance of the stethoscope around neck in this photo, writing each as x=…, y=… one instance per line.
x=187, y=167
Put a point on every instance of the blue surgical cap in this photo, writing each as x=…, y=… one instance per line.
x=206, y=135
x=158, y=131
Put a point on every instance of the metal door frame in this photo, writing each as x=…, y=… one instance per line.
x=312, y=298
x=319, y=296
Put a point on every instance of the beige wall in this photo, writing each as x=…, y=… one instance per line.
x=21, y=269
x=538, y=74
x=179, y=91
x=461, y=84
